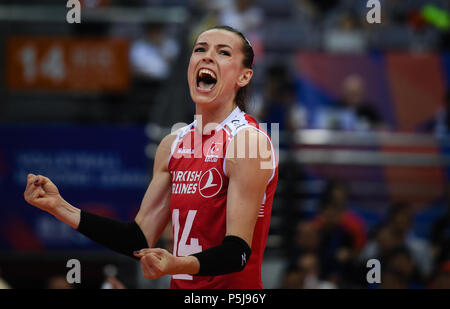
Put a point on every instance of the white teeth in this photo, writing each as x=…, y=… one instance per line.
x=206, y=71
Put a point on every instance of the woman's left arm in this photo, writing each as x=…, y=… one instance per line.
x=249, y=168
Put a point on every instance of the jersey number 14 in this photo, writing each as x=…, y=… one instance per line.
x=182, y=248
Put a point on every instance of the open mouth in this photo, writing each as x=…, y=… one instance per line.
x=206, y=80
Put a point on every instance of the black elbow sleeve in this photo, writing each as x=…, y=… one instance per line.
x=122, y=237
x=230, y=256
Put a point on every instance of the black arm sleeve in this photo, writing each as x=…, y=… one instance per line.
x=122, y=237
x=230, y=256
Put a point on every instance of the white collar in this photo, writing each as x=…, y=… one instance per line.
x=233, y=115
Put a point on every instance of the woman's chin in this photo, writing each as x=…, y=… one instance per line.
x=204, y=102
x=204, y=99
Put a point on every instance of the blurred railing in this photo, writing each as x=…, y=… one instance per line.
x=366, y=148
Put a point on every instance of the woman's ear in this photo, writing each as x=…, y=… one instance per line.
x=245, y=77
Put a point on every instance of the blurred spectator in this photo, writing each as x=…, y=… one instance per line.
x=305, y=274
x=401, y=220
x=306, y=238
x=347, y=36
x=397, y=231
x=152, y=54
x=398, y=270
x=354, y=101
x=317, y=9
x=111, y=281
x=352, y=111
x=279, y=103
x=337, y=194
x=306, y=241
x=400, y=260
x=336, y=251
x=244, y=15
x=58, y=283
x=440, y=124
x=382, y=241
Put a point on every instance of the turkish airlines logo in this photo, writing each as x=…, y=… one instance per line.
x=210, y=183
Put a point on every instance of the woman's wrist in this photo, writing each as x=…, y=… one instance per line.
x=67, y=213
x=187, y=265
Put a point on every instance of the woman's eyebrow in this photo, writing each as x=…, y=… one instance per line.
x=218, y=45
x=224, y=45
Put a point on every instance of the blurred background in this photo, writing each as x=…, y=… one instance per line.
x=363, y=111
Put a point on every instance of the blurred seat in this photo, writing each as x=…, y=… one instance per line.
x=394, y=37
x=288, y=36
x=278, y=8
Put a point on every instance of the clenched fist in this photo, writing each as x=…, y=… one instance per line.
x=158, y=262
x=42, y=193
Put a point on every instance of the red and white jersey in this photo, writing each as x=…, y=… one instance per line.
x=199, y=199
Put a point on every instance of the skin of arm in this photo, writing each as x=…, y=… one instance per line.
x=248, y=179
x=247, y=184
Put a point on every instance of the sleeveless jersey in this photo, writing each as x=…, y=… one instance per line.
x=199, y=197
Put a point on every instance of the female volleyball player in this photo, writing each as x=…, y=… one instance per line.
x=215, y=179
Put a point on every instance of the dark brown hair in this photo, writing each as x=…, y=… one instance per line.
x=247, y=49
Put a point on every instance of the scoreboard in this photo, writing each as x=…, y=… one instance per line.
x=67, y=64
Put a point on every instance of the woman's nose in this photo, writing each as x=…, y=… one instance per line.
x=208, y=58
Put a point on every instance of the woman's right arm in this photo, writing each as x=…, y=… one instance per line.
x=122, y=237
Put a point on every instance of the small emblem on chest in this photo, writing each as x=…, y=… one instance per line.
x=214, y=152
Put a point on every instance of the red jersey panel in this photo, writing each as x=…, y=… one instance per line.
x=199, y=199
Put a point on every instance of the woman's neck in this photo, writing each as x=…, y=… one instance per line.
x=209, y=117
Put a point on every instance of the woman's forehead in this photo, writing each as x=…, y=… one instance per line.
x=219, y=36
